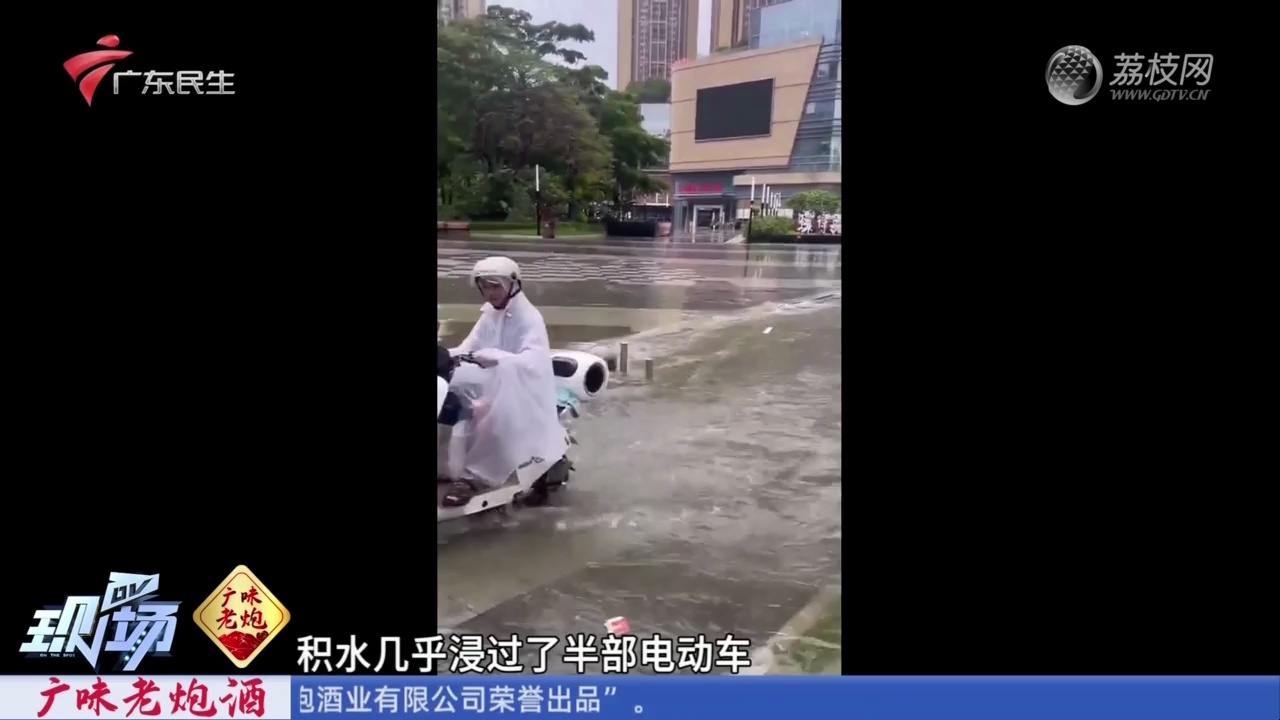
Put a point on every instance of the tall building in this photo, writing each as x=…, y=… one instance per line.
x=731, y=21
x=450, y=9
x=653, y=34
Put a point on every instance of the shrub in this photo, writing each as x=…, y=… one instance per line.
x=773, y=225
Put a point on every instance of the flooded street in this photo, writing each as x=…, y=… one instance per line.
x=707, y=501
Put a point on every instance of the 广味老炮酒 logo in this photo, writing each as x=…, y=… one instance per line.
x=242, y=616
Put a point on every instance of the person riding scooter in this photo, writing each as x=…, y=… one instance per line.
x=514, y=418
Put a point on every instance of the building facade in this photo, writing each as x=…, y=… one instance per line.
x=731, y=21
x=447, y=10
x=652, y=35
x=795, y=46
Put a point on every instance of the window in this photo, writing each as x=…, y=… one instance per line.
x=810, y=108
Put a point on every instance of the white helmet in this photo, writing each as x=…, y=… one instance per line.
x=499, y=268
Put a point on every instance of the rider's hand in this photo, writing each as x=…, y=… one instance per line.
x=485, y=362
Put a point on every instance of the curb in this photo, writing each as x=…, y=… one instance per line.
x=501, y=236
x=767, y=659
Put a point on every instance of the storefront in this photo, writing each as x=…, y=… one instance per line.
x=703, y=199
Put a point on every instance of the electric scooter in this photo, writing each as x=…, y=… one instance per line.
x=580, y=377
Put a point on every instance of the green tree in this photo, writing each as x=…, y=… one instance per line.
x=816, y=201
x=542, y=40
x=772, y=225
x=635, y=149
x=591, y=82
x=506, y=104
x=652, y=90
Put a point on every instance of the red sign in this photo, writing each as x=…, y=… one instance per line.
x=690, y=188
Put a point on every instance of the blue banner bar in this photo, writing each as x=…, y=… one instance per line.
x=612, y=697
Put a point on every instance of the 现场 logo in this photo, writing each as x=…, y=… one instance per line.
x=1074, y=75
x=242, y=616
x=87, y=69
x=79, y=626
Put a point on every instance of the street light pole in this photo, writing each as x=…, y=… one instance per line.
x=537, y=199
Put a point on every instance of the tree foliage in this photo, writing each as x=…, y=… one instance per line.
x=652, y=90
x=816, y=201
x=511, y=97
x=765, y=225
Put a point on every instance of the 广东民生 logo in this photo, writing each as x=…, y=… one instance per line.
x=242, y=616
x=1074, y=75
x=141, y=624
x=88, y=69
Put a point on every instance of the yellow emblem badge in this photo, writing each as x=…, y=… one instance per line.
x=242, y=616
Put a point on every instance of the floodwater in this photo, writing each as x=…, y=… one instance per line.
x=620, y=287
x=707, y=501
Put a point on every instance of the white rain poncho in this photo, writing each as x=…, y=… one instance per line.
x=514, y=402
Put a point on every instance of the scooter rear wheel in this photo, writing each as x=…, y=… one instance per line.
x=553, y=479
x=538, y=494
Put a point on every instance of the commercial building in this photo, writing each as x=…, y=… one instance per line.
x=731, y=21
x=765, y=115
x=452, y=9
x=653, y=34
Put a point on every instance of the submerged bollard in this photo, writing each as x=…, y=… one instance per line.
x=622, y=358
x=648, y=368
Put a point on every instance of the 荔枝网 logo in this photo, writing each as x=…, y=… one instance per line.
x=88, y=69
x=1074, y=75
x=140, y=624
x=242, y=616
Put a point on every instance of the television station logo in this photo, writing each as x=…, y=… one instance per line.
x=88, y=69
x=1075, y=76
x=142, y=625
